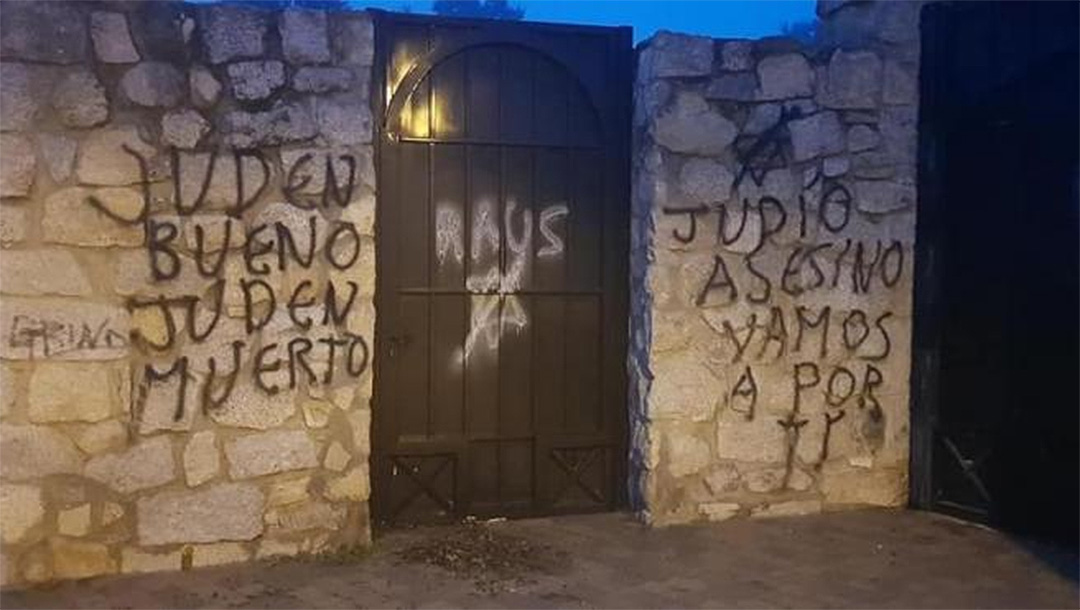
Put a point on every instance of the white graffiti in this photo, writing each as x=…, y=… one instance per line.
x=554, y=246
x=449, y=241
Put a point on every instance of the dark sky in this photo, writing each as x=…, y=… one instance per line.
x=716, y=18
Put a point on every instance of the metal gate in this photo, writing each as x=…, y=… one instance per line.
x=503, y=246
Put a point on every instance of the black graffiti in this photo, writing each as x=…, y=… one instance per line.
x=792, y=426
x=756, y=156
x=719, y=278
x=831, y=419
x=53, y=337
x=745, y=388
x=692, y=214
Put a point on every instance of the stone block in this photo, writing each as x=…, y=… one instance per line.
x=23, y=510
x=79, y=100
x=682, y=452
x=136, y=561
x=222, y=553
x=785, y=76
x=69, y=392
x=291, y=491
x=723, y=479
x=12, y=225
x=37, y=566
x=669, y=55
x=250, y=407
x=104, y=436
x=102, y=159
x=232, y=32
x=229, y=511
x=159, y=408
x=147, y=464
x=304, y=36
x=736, y=55
x=817, y=135
x=205, y=89
x=832, y=167
x=344, y=120
x=277, y=548
x=705, y=181
x=32, y=452
x=17, y=165
x=19, y=100
x=61, y=329
x=718, y=511
x=305, y=516
x=354, y=486
x=153, y=84
x=201, y=460
x=862, y=137
x=790, y=508
x=900, y=85
x=112, y=39
x=10, y=380
x=354, y=39
x=74, y=521
x=71, y=219
x=883, y=196
x=312, y=79
x=852, y=80
x=880, y=487
x=48, y=32
x=316, y=412
x=740, y=87
x=281, y=124
x=265, y=453
x=111, y=512
x=337, y=458
x=690, y=126
x=761, y=118
x=360, y=426
x=761, y=440
x=58, y=152
x=255, y=80
x=42, y=272
x=73, y=559
x=183, y=128
x=683, y=389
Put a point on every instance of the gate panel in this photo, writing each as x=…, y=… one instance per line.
x=503, y=250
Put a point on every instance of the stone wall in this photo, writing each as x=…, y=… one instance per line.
x=186, y=275
x=773, y=224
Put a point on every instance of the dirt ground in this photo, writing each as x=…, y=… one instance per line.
x=874, y=558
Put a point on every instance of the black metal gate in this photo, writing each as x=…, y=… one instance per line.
x=503, y=230
x=996, y=409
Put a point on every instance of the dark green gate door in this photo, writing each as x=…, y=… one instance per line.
x=503, y=228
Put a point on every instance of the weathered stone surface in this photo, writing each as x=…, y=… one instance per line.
x=17, y=165
x=683, y=389
x=73, y=559
x=104, y=436
x=360, y=426
x=322, y=80
x=761, y=440
x=256, y=80
x=71, y=219
x=283, y=493
x=30, y=452
x=58, y=152
x=112, y=39
x=183, y=128
x=669, y=54
x=10, y=382
x=862, y=137
x=718, y=511
x=691, y=127
x=817, y=135
x=788, y=509
x=276, y=548
x=736, y=55
x=353, y=486
x=832, y=167
x=136, y=561
x=74, y=521
x=883, y=196
x=761, y=118
x=785, y=76
x=282, y=123
x=67, y=392
x=304, y=36
x=900, y=85
x=79, y=100
x=852, y=80
x=344, y=120
x=42, y=272
x=145, y=465
x=229, y=511
x=305, y=516
x=354, y=39
x=23, y=510
x=218, y=554
x=19, y=102
x=205, y=89
x=723, y=479
x=705, y=181
x=12, y=225
x=337, y=458
x=250, y=407
x=153, y=84
x=36, y=566
x=23, y=333
x=316, y=412
x=111, y=512
x=201, y=461
x=685, y=453
x=230, y=32
x=159, y=407
x=102, y=159
x=263, y=453
x=48, y=32
x=740, y=87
